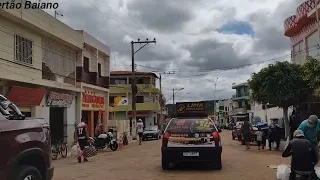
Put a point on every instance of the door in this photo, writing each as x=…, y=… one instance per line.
x=57, y=124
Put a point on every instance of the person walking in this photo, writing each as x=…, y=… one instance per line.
x=311, y=129
x=259, y=135
x=140, y=130
x=246, y=133
x=82, y=137
x=304, y=156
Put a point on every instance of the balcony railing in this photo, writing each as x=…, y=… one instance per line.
x=126, y=88
x=92, y=78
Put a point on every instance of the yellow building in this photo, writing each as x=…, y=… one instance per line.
x=148, y=106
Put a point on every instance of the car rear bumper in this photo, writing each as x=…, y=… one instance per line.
x=150, y=136
x=206, y=154
x=50, y=173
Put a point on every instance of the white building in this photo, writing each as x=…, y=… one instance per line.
x=266, y=114
x=40, y=60
x=93, y=72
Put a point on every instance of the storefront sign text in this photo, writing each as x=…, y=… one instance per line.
x=90, y=100
x=59, y=99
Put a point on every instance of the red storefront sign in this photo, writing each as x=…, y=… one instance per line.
x=26, y=96
x=91, y=98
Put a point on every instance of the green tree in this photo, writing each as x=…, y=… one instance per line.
x=311, y=74
x=279, y=84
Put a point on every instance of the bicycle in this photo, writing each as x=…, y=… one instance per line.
x=59, y=148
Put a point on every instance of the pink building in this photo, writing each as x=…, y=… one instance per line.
x=303, y=30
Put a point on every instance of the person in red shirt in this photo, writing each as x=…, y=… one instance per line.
x=82, y=134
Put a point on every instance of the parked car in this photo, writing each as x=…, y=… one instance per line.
x=191, y=139
x=152, y=132
x=27, y=153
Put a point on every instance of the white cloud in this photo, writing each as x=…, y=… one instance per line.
x=187, y=40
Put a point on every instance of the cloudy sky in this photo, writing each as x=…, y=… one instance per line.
x=199, y=40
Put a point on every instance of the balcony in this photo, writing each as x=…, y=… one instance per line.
x=126, y=88
x=147, y=106
x=240, y=97
x=103, y=82
x=91, y=78
x=239, y=111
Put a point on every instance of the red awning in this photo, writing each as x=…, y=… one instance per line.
x=26, y=96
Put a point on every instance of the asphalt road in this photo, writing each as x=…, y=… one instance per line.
x=144, y=163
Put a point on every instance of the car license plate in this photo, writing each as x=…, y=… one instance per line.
x=149, y=136
x=190, y=153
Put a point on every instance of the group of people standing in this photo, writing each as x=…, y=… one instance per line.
x=273, y=135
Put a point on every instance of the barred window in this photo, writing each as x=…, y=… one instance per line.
x=23, y=49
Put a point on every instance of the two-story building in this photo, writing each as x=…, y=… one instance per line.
x=240, y=101
x=147, y=100
x=223, y=108
x=39, y=56
x=93, y=72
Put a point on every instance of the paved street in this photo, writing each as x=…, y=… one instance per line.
x=143, y=163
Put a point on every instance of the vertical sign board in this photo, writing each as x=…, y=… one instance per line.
x=190, y=109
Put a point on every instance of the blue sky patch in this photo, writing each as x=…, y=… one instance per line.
x=236, y=27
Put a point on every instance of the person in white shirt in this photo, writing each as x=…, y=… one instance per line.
x=140, y=130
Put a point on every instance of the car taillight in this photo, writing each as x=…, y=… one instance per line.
x=165, y=139
x=216, y=137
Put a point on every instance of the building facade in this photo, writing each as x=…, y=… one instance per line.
x=147, y=100
x=240, y=101
x=38, y=57
x=41, y=60
x=92, y=73
x=223, y=108
x=303, y=30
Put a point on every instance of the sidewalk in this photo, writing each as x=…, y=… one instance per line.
x=130, y=142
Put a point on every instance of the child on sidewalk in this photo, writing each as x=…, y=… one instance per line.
x=259, y=135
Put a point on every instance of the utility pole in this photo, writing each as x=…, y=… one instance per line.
x=134, y=88
x=173, y=93
x=160, y=84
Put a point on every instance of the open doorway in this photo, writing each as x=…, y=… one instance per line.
x=56, y=119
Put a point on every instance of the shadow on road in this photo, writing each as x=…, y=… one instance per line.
x=192, y=166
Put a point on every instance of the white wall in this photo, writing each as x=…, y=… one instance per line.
x=274, y=112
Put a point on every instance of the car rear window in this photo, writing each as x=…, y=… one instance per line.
x=191, y=125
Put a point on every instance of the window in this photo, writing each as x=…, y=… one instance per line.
x=225, y=108
x=23, y=49
x=120, y=81
x=139, y=99
x=99, y=69
x=86, y=64
x=154, y=121
x=111, y=99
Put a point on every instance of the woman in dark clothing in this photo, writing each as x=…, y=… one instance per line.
x=246, y=133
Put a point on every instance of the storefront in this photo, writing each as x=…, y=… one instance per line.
x=93, y=104
x=60, y=111
x=26, y=98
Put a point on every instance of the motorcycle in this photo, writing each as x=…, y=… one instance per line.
x=105, y=141
x=283, y=173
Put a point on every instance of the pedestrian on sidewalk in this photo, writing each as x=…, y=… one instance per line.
x=246, y=133
x=311, y=130
x=139, y=130
x=259, y=135
x=82, y=137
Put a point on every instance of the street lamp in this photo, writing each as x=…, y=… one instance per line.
x=215, y=82
x=173, y=93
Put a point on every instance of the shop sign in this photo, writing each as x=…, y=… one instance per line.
x=91, y=100
x=55, y=99
x=190, y=109
x=26, y=96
